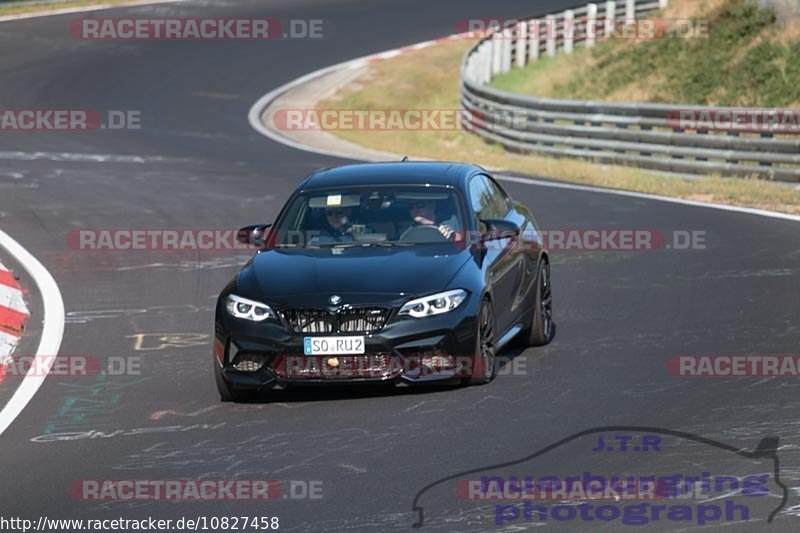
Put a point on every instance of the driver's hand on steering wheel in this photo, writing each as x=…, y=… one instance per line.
x=446, y=231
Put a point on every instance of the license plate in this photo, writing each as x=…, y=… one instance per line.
x=333, y=345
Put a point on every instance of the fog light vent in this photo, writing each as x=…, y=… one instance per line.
x=438, y=362
x=248, y=362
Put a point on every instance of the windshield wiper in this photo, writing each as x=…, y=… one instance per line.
x=297, y=246
x=385, y=244
x=389, y=244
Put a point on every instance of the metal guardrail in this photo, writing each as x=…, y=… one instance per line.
x=642, y=135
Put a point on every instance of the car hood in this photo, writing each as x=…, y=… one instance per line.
x=274, y=275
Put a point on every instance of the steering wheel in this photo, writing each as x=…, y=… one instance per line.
x=423, y=233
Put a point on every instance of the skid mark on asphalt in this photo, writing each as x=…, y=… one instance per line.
x=423, y=402
x=216, y=96
x=354, y=468
x=164, y=412
x=291, y=405
x=737, y=274
x=188, y=266
x=489, y=398
x=102, y=434
x=81, y=261
x=253, y=454
x=84, y=317
x=88, y=158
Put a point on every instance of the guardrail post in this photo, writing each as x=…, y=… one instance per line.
x=522, y=42
x=611, y=15
x=505, y=66
x=480, y=63
x=630, y=11
x=497, y=53
x=591, y=24
x=534, y=30
x=569, y=31
x=552, y=30
x=487, y=62
x=474, y=65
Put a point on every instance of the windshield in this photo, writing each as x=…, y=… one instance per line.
x=381, y=216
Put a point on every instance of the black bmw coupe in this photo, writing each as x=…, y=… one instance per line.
x=407, y=272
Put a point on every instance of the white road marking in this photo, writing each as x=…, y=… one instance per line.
x=645, y=196
x=83, y=158
x=82, y=9
x=52, y=331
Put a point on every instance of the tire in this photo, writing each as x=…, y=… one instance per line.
x=542, y=328
x=485, y=360
x=227, y=393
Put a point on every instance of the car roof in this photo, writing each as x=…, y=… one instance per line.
x=393, y=173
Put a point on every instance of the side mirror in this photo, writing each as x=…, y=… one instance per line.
x=499, y=228
x=253, y=235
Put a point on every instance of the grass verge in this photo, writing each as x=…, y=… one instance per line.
x=428, y=79
x=744, y=58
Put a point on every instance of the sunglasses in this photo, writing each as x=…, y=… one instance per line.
x=421, y=205
x=334, y=212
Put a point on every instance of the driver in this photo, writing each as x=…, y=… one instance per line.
x=423, y=213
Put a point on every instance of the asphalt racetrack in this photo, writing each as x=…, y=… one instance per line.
x=197, y=163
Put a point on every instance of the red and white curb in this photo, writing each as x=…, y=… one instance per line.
x=52, y=316
x=13, y=314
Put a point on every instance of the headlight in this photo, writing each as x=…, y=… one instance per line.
x=248, y=309
x=435, y=304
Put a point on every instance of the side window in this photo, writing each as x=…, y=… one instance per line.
x=487, y=198
x=499, y=203
x=479, y=197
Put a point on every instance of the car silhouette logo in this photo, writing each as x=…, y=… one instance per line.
x=524, y=492
x=335, y=299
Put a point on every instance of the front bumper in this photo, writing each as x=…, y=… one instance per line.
x=405, y=351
